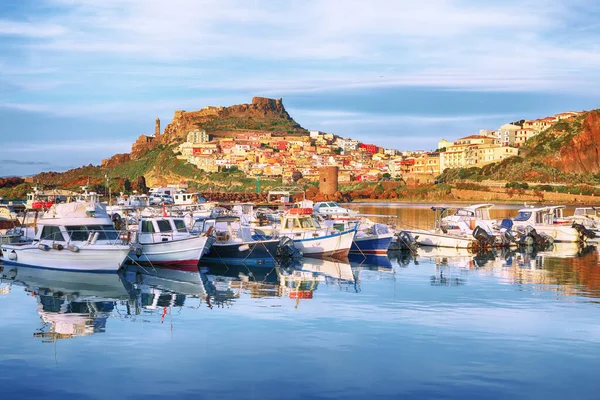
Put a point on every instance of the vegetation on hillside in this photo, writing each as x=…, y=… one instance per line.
x=280, y=124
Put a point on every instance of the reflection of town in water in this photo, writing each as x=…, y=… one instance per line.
x=72, y=304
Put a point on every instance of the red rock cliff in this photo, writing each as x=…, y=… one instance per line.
x=582, y=153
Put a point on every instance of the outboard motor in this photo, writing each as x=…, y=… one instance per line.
x=286, y=250
x=484, y=238
x=406, y=241
x=540, y=240
x=506, y=235
x=584, y=233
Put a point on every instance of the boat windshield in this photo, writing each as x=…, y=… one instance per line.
x=523, y=216
x=164, y=225
x=82, y=233
x=180, y=225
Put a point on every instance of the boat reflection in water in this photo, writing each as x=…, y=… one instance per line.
x=159, y=290
x=568, y=268
x=226, y=283
x=70, y=304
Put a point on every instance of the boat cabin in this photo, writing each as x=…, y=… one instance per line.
x=589, y=212
x=477, y=211
x=534, y=216
x=299, y=222
x=163, y=229
x=76, y=222
x=188, y=198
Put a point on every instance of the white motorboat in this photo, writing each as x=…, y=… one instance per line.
x=440, y=236
x=72, y=236
x=311, y=238
x=166, y=241
x=550, y=221
x=464, y=219
x=331, y=208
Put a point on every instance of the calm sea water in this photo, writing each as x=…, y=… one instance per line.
x=443, y=324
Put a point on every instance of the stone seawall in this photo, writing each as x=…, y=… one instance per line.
x=527, y=195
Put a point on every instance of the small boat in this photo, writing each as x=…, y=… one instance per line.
x=465, y=219
x=236, y=241
x=10, y=227
x=312, y=239
x=167, y=241
x=551, y=222
x=74, y=237
x=439, y=236
x=331, y=208
x=371, y=238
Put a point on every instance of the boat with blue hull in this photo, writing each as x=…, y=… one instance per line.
x=258, y=252
x=376, y=244
x=235, y=241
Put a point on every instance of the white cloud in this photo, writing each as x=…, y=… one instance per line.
x=31, y=29
x=130, y=57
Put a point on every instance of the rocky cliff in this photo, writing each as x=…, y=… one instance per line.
x=262, y=114
x=581, y=153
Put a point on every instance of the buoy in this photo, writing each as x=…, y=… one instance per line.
x=43, y=247
x=74, y=249
x=244, y=247
x=12, y=255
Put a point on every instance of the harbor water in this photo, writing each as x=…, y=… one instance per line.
x=441, y=324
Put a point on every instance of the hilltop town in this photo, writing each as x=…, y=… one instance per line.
x=279, y=155
x=253, y=147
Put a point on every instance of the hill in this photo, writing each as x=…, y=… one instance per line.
x=567, y=152
x=154, y=157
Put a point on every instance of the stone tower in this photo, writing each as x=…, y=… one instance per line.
x=157, y=128
x=328, y=180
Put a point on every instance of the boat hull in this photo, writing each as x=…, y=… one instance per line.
x=184, y=253
x=263, y=250
x=373, y=244
x=336, y=245
x=100, y=258
x=424, y=238
x=564, y=234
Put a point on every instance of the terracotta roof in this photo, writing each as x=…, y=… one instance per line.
x=474, y=137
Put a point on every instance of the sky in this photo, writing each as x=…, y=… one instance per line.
x=80, y=80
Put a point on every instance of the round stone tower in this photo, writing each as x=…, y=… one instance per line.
x=328, y=180
x=157, y=127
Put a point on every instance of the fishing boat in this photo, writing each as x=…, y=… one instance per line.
x=236, y=241
x=312, y=239
x=167, y=242
x=72, y=236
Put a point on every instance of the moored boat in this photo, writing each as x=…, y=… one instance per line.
x=311, y=238
x=74, y=237
x=166, y=241
x=236, y=242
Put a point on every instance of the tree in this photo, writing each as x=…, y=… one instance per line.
x=296, y=176
x=141, y=185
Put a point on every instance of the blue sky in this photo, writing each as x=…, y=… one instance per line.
x=80, y=80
